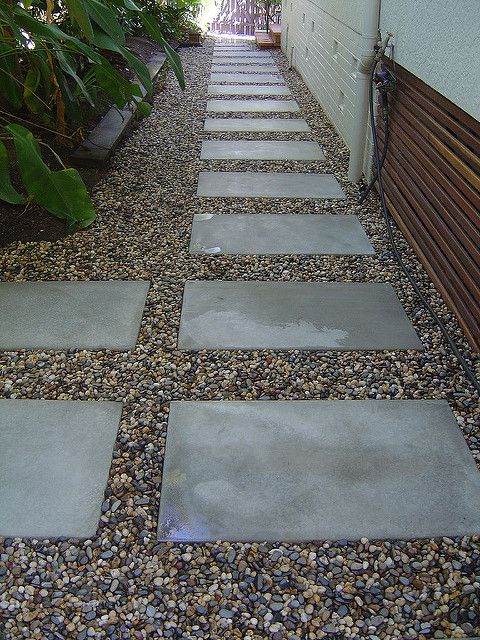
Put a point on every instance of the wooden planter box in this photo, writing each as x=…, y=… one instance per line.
x=194, y=38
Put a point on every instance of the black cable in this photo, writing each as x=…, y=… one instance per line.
x=372, y=182
x=464, y=364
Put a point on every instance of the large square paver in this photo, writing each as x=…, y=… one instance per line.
x=260, y=150
x=277, y=234
x=291, y=471
x=247, y=78
x=247, y=90
x=337, y=316
x=71, y=315
x=252, y=106
x=244, y=54
x=245, y=69
x=257, y=125
x=249, y=184
x=224, y=59
x=55, y=457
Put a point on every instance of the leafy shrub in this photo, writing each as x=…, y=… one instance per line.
x=54, y=56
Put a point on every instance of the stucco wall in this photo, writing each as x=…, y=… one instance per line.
x=439, y=42
x=326, y=41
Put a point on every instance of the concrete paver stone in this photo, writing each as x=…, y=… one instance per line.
x=71, y=315
x=55, y=457
x=260, y=184
x=278, y=234
x=257, y=124
x=261, y=150
x=315, y=316
x=316, y=470
x=247, y=90
x=252, y=106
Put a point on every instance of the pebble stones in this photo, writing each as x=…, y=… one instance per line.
x=64, y=589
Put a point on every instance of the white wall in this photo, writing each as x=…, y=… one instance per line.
x=329, y=42
x=439, y=42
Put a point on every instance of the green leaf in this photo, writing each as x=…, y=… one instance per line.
x=7, y=192
x=120, y=89
x=106, y=20
x=176, y=64
x=51, y=33
x=10, y=87
x=145, y=108
x=153, y=30
x=62, y=193
x=79, y=14
x=103, y=41
x=66, y=64
x=66, y=196
x=30, y=88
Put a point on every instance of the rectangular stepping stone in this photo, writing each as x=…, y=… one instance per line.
x=223, y=59
x=252, y=106
x=279, y=234
x=232, y=48
x=71, y=315
x=300, y=471
x=246, y=78
x=245, y=69
x=244, y=54
x=247, y=90
x=249, y=184
x=338, y=316
x=257, y=124
x=55, y=457
x=260, y=150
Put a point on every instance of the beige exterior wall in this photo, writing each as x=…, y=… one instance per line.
x=329, y=42
x=439, y=42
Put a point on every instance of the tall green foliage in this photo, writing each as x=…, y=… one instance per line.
x=53, y=56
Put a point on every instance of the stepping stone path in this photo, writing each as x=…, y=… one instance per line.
x=71, y=315
x=245, y=234
x=247, y=184
x=252, y=106
x=270, y=470
x=247, y=90
x=54, y=461
x=261, y=150
x=338, y=316
x=258, y=125
x=300, y=470
x=316, y=470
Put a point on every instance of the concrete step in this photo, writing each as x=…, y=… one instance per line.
x=252, y=106
x=297, y=471
x=247, y=90
x=278, y=234
x=315, y=316
x=71, y=315
x=257, y=125
x=259, y=184
x=246, y=78
x=261, y=150
x=55, y=456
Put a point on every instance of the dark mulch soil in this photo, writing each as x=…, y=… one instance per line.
x=32, y=223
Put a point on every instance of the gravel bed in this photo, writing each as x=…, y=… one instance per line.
x=125, y=585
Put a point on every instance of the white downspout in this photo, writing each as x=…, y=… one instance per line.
x=360, y=127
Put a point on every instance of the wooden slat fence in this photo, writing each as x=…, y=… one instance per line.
x=242, y=17
x=432, y=180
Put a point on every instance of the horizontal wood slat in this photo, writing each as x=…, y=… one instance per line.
x=432, y=182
